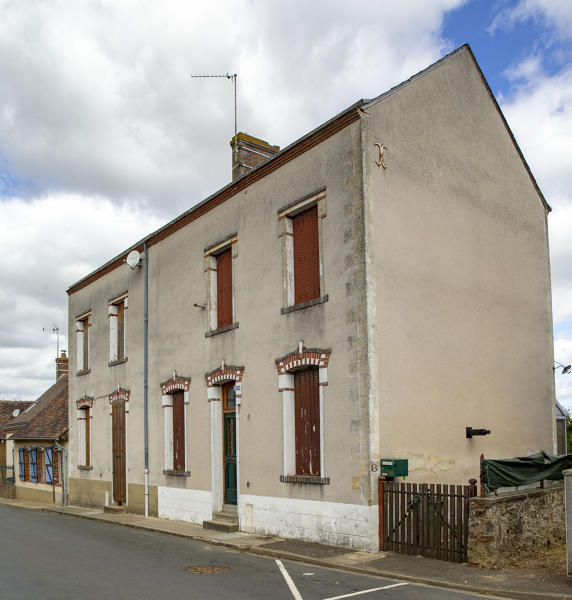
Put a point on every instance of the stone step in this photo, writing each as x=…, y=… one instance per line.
x=116, y=510
x=225, y=516
x=217, y=525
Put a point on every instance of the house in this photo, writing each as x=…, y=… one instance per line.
x=365, y=293
x=9, y=410
x=39, y=437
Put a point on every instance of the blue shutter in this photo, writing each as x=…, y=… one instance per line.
x=49, y=466
x=33, y=470
x=21, y=462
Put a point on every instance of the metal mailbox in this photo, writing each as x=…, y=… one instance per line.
x=394, y=467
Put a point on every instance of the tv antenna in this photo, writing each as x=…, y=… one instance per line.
x=225, y=76
x=56, y=330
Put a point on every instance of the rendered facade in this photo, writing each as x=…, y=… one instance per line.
x=365, y=293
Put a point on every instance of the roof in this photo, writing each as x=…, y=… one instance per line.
x=48, y=417
x=7, y=408
x=305, y=143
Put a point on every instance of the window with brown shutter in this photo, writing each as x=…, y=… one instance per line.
x=306, y=256
x=224, y=288
x=307, y=421
x=40, y=465
x=56, y=467
x=178, y=431
x=120, y=331
x=27, y=466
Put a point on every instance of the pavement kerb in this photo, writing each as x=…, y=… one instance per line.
x=271, y=553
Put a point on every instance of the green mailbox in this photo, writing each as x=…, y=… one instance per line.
x=394, y=467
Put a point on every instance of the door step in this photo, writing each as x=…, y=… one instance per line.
x=116, y=510
x=222, y=521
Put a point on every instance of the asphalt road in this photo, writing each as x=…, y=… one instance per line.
x=46, y=556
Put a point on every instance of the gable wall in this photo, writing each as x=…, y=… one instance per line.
x=463, y=329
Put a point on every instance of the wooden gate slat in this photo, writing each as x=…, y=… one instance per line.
x=465, y=523
x=438, y=521
x=390, y=524
x=409, y=520
x=416, y=523
x=445, y=522
x=459, y=527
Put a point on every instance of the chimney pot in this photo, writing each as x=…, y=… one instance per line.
x=61, y=365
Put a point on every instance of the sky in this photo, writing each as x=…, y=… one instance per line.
x=104, y=136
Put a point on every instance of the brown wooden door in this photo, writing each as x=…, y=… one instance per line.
x=119, y=454
x=178, y=431
x=307, y=422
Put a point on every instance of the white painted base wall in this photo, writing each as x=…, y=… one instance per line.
x=194, y=506
x=348, y=525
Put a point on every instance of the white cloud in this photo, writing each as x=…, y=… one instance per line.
x=48, y=243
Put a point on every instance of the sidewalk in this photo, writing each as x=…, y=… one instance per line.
x=507, y=583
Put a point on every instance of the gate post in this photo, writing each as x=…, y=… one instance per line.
x=382, y=541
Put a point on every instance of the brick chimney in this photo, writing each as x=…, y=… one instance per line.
x=251, y=152
x=62, y=365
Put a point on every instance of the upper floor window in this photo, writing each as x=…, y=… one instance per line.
x=220, y=261
x=300, y=227
x=82, y=326
x=117, y=329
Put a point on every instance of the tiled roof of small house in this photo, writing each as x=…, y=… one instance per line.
x=7, y=408
x=48, y=419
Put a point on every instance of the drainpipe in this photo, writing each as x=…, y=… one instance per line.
x=145, y=376
x=64, y=450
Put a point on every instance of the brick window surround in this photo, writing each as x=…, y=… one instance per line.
x=82, y=329
x=296, y=467
x=175, y=403
x=220, y=262
x=300, y=228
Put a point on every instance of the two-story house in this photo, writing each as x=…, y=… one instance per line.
x=368, y=291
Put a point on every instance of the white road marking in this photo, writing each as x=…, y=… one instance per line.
x=289, y=581
x=366, y=591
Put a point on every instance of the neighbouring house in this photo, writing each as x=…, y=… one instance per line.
x=9, y=411
x=367, y=292
x=561, y=436
x=39, y=435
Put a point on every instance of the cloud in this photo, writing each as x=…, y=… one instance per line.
x=96, y=98
x=48, y=243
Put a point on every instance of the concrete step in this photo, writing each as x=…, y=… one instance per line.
x=227, y=526
x=116, y=510
x=225, y=516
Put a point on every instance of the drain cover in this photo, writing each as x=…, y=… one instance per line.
x=205, y=569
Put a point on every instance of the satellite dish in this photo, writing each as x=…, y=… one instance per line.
x=15, y=412
x=133, y=259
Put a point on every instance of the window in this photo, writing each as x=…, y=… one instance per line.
x=300, y=227
x=82, y=326
x=84, y=416
x=220, y=263
x=40, y=465
x=117, y=330
x=27, y=465
x=307, y=421
x=306, y=256
x=302, y=376
x=175, y=399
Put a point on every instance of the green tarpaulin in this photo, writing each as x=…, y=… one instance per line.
x=523, y=470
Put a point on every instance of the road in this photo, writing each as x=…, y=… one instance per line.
x=46, y=556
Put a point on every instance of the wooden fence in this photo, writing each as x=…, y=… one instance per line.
x=427, y=519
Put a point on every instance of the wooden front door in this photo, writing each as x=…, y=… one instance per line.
x=119, y=454
x=229, y=443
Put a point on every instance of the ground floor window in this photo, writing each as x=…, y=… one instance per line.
x=175, y=400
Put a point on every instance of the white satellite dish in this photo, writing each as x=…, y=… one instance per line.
x=133, y=259
x=15, y=412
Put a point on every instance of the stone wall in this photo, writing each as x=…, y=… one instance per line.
x=505, y=529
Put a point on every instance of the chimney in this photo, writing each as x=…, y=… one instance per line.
x=61, y=365
x=250, y=152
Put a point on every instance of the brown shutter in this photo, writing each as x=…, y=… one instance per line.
x=118, y=449
x=306, y=256
x=178, y=431
x=56, y=467
x=224, y=288
x=307, y=422
x=85, y=344
x=120, y=331
x=87, y=436
x=27, y=465
x=40, y=465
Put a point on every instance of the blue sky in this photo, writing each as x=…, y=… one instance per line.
x=99, y=118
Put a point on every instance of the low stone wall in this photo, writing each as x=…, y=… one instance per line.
x=7, y=490
x=505, y=529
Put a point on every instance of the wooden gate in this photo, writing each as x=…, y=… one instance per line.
x=118, y=449
x=427, y=519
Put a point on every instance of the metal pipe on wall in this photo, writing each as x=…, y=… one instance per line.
x=145, y=376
